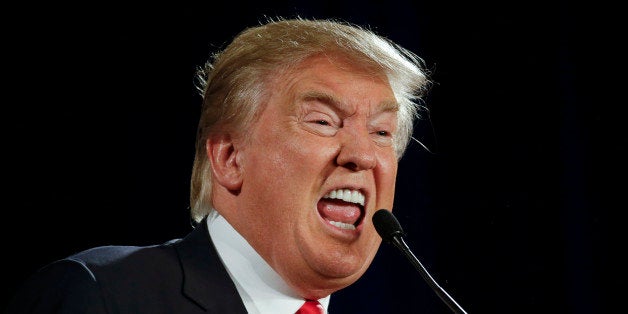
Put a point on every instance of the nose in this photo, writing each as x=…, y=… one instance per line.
x=357, y=152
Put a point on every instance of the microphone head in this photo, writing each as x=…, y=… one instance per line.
x=387, y=225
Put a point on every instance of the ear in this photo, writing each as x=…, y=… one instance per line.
x=222, y=153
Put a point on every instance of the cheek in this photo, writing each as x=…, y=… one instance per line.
x=303, y=153
x=283, y=164
x=386, y=177
x=388, y=163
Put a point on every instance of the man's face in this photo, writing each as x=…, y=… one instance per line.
x=316, y=165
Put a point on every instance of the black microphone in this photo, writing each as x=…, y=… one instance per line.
x=390, y=230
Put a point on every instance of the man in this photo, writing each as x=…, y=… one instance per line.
x=302, y=125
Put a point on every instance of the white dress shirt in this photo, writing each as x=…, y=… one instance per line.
x=262, y=290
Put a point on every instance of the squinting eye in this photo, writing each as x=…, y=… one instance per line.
x=321, y=124
x=382, y=138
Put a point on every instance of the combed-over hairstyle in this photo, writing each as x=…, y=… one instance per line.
x=234, y=82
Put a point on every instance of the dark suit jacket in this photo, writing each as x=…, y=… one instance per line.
x=179, y=276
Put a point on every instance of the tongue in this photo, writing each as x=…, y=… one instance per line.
x=338, y=210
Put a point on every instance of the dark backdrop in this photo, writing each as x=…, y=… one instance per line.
x=515, y=209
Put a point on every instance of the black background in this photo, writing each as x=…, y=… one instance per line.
x=516, y=209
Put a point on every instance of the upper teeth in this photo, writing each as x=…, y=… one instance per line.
x=353, y=196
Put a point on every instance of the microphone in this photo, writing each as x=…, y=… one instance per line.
x=390, y=230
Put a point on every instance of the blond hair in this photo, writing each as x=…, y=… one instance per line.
x=233, y=82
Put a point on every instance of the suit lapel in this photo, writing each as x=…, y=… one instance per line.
x=205, y=279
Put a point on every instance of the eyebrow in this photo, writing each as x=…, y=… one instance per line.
x=384, y=106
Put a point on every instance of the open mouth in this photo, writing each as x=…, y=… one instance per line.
x=343, y=208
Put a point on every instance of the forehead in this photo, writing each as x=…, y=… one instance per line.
x=339, y=62
x=340, y=82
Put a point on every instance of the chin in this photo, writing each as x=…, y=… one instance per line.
x=324, y=286
x=342, y=272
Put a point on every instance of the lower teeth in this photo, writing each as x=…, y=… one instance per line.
x=342, y=225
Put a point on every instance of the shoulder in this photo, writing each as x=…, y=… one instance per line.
x=118, y=255
x=62, y=283
x=86, y=281
x=113, y=265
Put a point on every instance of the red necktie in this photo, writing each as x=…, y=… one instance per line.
x=311, y=307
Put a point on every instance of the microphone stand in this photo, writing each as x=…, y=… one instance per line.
x=442, y=294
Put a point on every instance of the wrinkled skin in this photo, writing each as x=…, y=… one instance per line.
x=327, y=126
